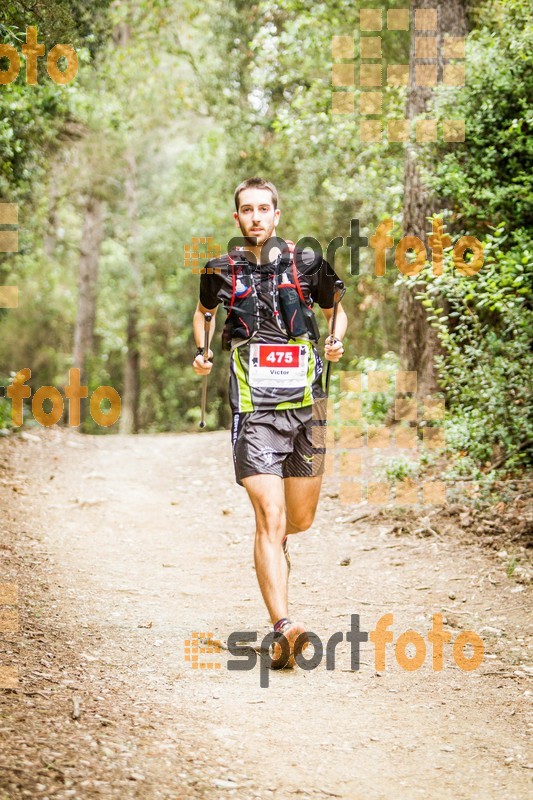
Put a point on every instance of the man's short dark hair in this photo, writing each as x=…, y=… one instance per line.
x=256, y=183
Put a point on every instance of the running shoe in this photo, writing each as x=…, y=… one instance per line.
x=291, y=631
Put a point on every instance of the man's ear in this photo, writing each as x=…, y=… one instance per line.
x=277, y=214
x=236, y=218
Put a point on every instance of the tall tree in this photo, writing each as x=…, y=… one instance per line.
x=418, y=342
x=91, y=240
x=130, y=399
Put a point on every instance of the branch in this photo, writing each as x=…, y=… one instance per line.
x=507, y=456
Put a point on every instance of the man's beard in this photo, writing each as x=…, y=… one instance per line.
x=251, y=239
x=258, y=239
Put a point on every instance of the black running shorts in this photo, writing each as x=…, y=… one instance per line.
x=278, y=443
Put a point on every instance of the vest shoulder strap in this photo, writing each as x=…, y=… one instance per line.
x=295, y=276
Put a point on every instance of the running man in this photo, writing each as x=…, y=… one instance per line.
x=275, y=382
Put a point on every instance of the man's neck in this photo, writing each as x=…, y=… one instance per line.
x=257, y=251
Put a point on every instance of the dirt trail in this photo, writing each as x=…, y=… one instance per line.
x=145, y=539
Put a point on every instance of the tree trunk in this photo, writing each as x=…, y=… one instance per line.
x=418, y=342
x=54, y=195
x=91, y=240
x=129, y=420
x=130, y=398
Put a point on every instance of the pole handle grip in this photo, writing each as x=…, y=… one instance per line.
x=207, y=325
x=337, y=296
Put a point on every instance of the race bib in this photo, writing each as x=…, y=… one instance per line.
x=281, y=365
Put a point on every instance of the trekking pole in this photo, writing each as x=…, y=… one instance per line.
x=207, y=325
x=339, y=292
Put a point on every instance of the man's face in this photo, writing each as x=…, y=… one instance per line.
x=257, y=217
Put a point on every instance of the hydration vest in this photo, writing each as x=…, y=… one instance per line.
x=292, y=313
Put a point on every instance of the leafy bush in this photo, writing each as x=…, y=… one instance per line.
x=487, y=179
x=484, y=326
x=5, y=414
x=400, y=468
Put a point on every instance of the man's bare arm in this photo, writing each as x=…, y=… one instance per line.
x=201, y=365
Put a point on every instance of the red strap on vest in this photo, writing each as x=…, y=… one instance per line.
x=233, y=281
x=295, y=278
x=295, y=274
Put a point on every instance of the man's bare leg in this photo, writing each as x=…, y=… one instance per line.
x=301, y=501
x=268, y=499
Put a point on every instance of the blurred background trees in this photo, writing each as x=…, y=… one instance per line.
x=175, y=103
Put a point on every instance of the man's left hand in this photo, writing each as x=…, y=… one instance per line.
x=333, y=349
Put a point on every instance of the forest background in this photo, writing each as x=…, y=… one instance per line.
x=175, y=103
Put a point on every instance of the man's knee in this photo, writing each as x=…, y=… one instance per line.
x=300, y=521
x=270, y=520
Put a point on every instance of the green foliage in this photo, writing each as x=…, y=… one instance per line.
x=484, y=325
x=269, y=82
x=31, y=117
x=57, y=21
x=487, y=179
x=5, y=412
x=29, y=125
x=204, y=95
x=374, y=405
x=512, y=564
x=400, y=468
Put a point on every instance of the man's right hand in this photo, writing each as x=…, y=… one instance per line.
x=202, y=367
